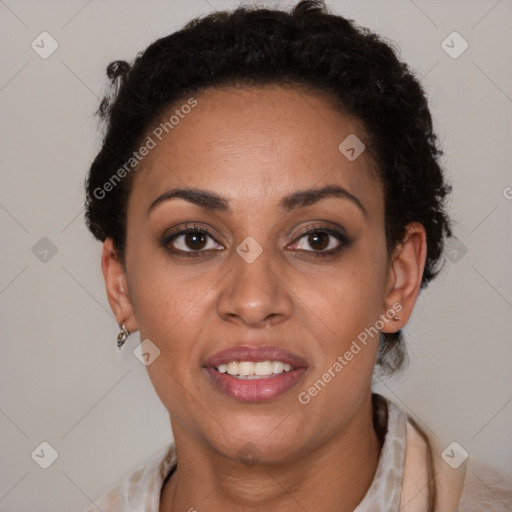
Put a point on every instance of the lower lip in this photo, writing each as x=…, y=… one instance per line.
x=256, y=390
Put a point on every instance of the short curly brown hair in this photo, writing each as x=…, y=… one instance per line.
x=307, y=47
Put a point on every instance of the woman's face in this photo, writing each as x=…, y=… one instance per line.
x=252, y=278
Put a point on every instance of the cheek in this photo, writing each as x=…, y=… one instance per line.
x=164, y=295
x=168, y=307
x=170, y=312
x=354, y=295
x=345, y=337
x=174, y=305
x=349, y=305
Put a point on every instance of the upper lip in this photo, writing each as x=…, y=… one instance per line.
x=254, y=354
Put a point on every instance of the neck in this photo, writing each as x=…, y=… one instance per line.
x=333, y=477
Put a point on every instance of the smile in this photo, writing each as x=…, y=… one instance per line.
x=255, y=374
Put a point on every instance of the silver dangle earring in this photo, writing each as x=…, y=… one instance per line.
x=122, y=336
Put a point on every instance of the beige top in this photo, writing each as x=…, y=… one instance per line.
x=400, y=481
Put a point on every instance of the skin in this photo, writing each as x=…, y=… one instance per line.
x=253, y=146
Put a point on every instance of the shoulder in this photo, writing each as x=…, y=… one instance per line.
x=140, y=490
x=485, y=488
x=468, y=487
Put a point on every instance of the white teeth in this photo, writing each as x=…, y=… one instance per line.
x=245, y=368
x=250, y=377
x=232, y=368
x=263, y=368
x=250, y=370
x=277, y=366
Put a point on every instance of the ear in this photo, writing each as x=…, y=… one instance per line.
x=405, y=274
x=117, y=286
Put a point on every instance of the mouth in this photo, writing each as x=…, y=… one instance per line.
x=255, y=374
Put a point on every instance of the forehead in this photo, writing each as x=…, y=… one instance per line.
x=249, y=142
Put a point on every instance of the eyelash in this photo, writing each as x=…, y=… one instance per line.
x=188, y=229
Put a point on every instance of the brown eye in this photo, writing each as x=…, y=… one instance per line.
x=190, y=240
x=318, y=240
x=322, y=241
x=194, y=240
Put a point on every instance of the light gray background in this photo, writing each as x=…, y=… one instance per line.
x=63, y=379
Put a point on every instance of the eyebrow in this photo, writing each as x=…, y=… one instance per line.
x=299, y=199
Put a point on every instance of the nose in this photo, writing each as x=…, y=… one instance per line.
x=255, y=293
